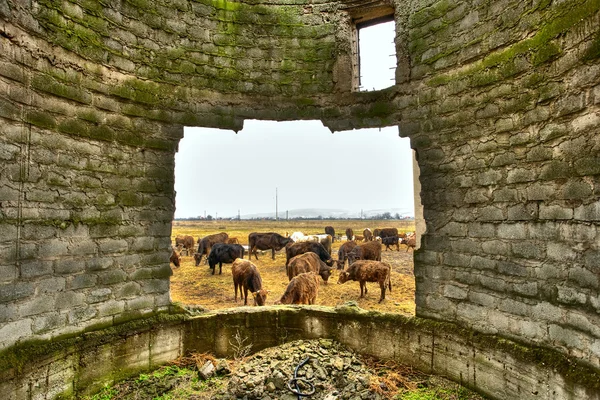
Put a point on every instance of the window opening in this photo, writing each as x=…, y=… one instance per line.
x=376, y=53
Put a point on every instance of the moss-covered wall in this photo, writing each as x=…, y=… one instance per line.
x=500, y=100
x=500, y=369
x=508, y=143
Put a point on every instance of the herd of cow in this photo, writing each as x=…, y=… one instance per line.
x=308, y=257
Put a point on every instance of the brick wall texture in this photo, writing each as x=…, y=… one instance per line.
x=499, y=98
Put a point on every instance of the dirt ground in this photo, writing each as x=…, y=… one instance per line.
x=191, y=285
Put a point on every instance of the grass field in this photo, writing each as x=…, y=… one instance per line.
x=191, y=285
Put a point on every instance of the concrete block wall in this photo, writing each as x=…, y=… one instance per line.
x=507, y=139
x=500, y=100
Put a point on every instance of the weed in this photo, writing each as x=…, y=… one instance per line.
x=240, y=349
x=107, y=393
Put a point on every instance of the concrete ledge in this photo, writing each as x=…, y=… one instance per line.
x=496, y=367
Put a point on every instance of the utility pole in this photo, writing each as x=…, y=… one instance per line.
x=276, y=206
x=239, y=214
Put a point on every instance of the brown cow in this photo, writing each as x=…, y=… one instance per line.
x=185, y=243
x=308, y=262
x=233, y=240
x=206, y=243
x=343, y=253
x=409, y=241
x=330, y=231
x=264, y=241
x=390, y=241
x=246, y=276
x=365, y=271
x=302, y=289
x=365, y=251
x=175, y=258
x=292, y=250
x=368, y=235
x=349, y=234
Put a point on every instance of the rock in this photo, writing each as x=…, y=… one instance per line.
x=207, y=370
x=338, y=363
x=271, y=387
x=222, y=367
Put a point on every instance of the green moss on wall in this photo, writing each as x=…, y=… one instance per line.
x=539, y=48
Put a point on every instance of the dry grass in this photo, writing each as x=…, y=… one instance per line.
x=193, y=285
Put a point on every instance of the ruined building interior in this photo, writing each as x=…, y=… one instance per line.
x=500, y=100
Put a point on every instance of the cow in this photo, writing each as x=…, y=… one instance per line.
x=324, y=239
x=224, y=253
x=302, y=289
x=385, y=232
x=343, y=253
x=233, y=240
x=368, y=235
x=175, y=258
x=365, y=271
x=349, y=234
x=264, y=241
x=390, y=241
x=206, y=243
x=330, y=231
x=246, y=276
x=409, y=241
x=185, y=243
x=294, y=249
x=308, y=262
x=365, y=251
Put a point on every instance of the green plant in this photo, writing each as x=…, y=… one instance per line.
x=107, y=393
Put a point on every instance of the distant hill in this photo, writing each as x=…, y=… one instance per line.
x=331, y=213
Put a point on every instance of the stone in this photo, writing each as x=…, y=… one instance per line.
x=206, y=371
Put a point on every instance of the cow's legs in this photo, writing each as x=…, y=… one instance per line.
x=273, y=253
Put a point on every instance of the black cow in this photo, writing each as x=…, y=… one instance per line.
x=391, y=241
x=264, y=241
x=224, y=253
x=385, y=232
x=330, y=231
x=294, y=249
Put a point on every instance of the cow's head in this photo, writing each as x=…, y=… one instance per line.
x=197, y=257
x=175, y=258
x=260, y=297
x=343, y=278
x=325, y=274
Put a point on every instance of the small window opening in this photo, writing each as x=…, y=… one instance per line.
x=376, y=54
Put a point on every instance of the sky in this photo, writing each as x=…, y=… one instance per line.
x=218, y=172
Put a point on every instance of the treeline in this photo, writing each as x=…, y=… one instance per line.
x=383, y=216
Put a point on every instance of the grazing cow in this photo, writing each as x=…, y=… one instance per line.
x=385, y=232
x=224, y=253
x=343, y=253
x=295, y=249
x=246, y=276
x=409, y=241
x=324, y=239
x=233, y=240
x=368, y=235
x=359, y=238
x=185, y=243
x=365, y=271
x=390, y=241
x=302, y=289
x=206, y=243
x=264, y=241
x=349, y=234
x=175, y=258
x=330, y=231
x=365, y=251
x=308, y=262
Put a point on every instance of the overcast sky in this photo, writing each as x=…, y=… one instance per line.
x=219, y=172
